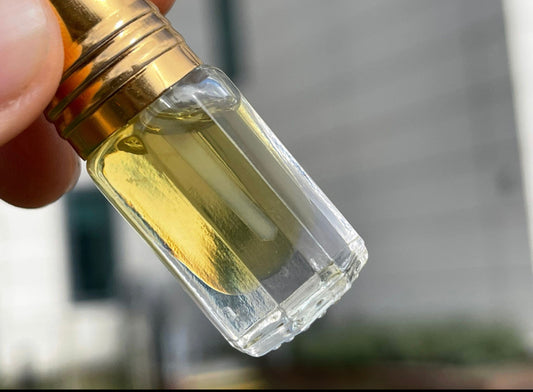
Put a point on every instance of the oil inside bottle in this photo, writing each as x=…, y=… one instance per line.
x=209, y=206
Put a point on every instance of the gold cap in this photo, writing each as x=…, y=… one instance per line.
x=120, y=55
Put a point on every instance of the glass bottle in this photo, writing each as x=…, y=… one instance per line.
x=186, y=160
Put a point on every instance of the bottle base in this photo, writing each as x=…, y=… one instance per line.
x=299, y=311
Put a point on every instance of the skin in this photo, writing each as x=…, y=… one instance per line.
x=36, y=165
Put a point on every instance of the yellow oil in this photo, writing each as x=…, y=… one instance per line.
x=186, y=180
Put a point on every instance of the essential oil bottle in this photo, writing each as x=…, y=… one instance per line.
x=186, y=160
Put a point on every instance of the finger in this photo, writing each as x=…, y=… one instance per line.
x=37, y=166
x=32, y=61
x=164, y=5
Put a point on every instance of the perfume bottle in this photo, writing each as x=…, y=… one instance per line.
x=186, y=160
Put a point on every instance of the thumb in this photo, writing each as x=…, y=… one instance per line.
x=31, y=62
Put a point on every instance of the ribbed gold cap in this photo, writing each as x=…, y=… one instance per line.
x=120, y=55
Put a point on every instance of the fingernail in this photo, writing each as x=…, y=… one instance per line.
x=25, y=28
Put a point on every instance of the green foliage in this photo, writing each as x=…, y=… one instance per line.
x=444, y=342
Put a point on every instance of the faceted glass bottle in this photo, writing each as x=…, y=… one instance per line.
x=184, y=158
x=229, y=211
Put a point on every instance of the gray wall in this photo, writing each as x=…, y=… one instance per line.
x=402, y=112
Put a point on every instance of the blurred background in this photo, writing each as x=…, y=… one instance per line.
x=415, y=118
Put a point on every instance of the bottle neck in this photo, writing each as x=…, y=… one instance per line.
x=120, y=55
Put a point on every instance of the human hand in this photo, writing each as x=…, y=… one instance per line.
x=36, y=165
